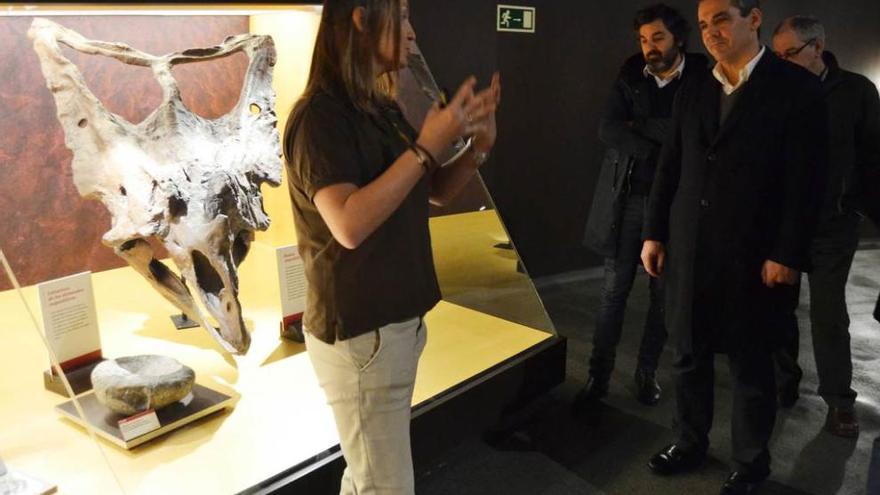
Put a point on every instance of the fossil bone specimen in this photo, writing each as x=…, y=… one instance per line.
x=191, y=182
x=129, y=385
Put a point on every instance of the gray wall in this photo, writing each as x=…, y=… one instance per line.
x=554, y=86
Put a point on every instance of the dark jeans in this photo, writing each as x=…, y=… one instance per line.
x=832, y=252
x=620, y=273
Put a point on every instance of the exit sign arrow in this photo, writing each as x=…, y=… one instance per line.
x=516, y=19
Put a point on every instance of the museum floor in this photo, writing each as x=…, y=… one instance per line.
x=552, y=452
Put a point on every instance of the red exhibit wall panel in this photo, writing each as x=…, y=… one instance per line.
x=46, y=229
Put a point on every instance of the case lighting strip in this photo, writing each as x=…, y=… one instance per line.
x=160, y=10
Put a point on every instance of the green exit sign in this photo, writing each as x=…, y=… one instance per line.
x=515, y=18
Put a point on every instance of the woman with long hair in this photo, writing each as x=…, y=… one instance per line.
x=360, y=180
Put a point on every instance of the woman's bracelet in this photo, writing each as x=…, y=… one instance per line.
x=426, y=159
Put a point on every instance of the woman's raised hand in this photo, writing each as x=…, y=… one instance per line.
x=468, y=114
x=483, y=107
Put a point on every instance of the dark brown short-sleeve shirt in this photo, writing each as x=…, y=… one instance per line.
x=390, y=277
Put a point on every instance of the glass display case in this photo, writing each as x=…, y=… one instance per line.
x=271, y=422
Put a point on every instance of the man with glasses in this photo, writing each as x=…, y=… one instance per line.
x=729, y=222
x=854, y=137
x=792, y=54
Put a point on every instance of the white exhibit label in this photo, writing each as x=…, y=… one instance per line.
x=139, y=424
x=292, y=277
x=70, y=320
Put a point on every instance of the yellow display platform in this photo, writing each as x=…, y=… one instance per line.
x=475, y=272
x=280, y=419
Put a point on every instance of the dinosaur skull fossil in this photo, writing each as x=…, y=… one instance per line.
x=191, y=182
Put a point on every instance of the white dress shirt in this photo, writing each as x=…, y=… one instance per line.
x=744, y=73
x=661, y=83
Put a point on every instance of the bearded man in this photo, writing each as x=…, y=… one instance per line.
x=634, y=125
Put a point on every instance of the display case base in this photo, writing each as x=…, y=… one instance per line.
x=204, y=401
x=441, y=423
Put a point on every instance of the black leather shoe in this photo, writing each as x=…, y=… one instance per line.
x=593, y=391
x=842, y=421
x=647, y=389
x=740, y=483
x=674, y=460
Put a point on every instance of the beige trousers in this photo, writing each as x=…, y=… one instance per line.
x=368, y=381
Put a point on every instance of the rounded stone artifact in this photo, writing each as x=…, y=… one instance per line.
x=129, y=385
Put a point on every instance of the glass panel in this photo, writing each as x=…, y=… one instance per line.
x=477, y=264
x=38, y=450
x=278, y=417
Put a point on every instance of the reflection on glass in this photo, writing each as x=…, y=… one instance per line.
x=477, y=265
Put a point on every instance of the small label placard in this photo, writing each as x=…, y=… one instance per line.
x=139, y=424
x=292, y=277
x=70, y=320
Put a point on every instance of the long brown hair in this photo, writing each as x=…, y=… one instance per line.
x=342, y=63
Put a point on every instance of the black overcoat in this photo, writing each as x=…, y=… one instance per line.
x=728, y=197
x=854, y=142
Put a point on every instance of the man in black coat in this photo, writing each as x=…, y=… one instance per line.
x=729, y=223
x=854, y=130
x=634, y=125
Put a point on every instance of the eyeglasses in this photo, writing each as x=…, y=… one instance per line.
x=793, y=52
